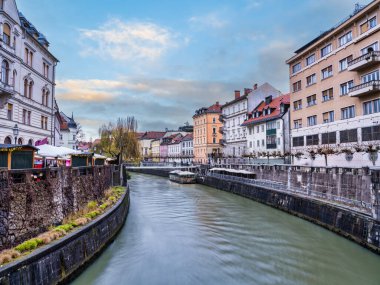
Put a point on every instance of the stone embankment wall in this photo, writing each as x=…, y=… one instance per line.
x=358, y=227
x=32, y=200
x=62, y=260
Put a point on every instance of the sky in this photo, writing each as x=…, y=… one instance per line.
x=161, y=60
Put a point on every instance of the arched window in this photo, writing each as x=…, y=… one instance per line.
x=6, y=34
x=5, y=72
x=8, y=140
x=26, y=87
x=43, y=96
x=19, y=141
x=47, y=98
x=1, y=4
x=30, y=89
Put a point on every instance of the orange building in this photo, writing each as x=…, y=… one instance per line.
x=206, y=134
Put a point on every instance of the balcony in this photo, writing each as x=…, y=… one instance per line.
x=6, y=91
x=222, y=118
x=221, y=130
x=223, y=142
x=271, y=146
x=364, y=61
x=271, y=132
x=365, y=88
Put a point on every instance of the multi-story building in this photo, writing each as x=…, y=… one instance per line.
x=145, y=142
x=207, y=137
x=174, y=150
x=69, y=132
x=156, y=150
x=334, y=80
x=233, y=115
x=27, y=80
x=187, y=149
x=268, y=127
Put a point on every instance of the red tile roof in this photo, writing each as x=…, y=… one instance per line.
x=274, y=105
x=216, y=108
x=152, y=135
x=188, y=137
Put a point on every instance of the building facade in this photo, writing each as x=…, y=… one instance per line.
x=145, y=143
x=335, y=100
x=207, y=137
x=268, y=132
x=234, y=113
x=27, y=80
x=69, y=132
x=187, y=149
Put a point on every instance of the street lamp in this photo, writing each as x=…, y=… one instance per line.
x=15, y=132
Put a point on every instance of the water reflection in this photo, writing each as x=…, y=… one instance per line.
x=191, y=234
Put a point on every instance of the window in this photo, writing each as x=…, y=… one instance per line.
x=327, y=72
x=262, y=128
x=374, y=47
x=371, y=107
x=26, y=87
x=371, y=23
x=44, y=123
x=328, y=117
x=297, y=86
x=345, y=87
x=329, y=138
x=327, y=95
x=30, y=90
x=343, y=64
x=298, y=124
x=310, y=80
x=348, y=136
x=348, y=112
x=26, y=55
x=372, y=76
x=10, y=112
x=371, y=133
x=312, y=120
x=6, y=34
x=31, y=59
x=312, y=140
x=271, y=125
x=5, y=72
x=297, y=105
x=296, y=68
x=46, y=70
x=311, y=100
x=298, y=141
x=1, y=4
x=310, y=59
x=214, y=140
x=326, y=50
x=24, y=115
x=346, y=38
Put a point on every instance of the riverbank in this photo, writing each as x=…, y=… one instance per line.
x=356, y=226
x=62, y=260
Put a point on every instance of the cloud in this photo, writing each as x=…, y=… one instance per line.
x=128, y=41
x=211, y=20
x=252, y=4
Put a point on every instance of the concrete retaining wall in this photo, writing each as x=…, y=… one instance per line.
x=62, y=260
x=357, y=227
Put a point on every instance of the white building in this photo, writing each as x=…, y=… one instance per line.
x=69, y=132
x=268, y=128
x=26, y=81
x=234, y=113
x=175, y=149
x=187, y=149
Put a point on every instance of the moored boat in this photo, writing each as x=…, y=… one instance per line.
x=182, y=177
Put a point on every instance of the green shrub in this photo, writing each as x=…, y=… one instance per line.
x=112, y=199
x=103, y=206
x=92, y=214
x=92, y=205
x=65, y=228
x=29, y=245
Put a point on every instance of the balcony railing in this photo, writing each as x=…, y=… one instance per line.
x=271, y=146
x=271, y=132
x=365, y=88
x=364, y=61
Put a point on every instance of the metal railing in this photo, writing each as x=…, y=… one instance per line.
x=372, y=83
x=278, y=186
x=364, y=57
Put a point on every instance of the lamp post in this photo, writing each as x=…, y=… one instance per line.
x=15, y=132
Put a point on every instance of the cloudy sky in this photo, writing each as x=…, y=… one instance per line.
x=161, y=60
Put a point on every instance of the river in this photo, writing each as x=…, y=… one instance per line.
x=192, y=234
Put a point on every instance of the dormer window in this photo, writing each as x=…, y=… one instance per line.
x=6, y=34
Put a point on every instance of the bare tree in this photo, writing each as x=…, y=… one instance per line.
x=119, y=140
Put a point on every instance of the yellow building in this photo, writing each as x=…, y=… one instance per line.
x=206, y=134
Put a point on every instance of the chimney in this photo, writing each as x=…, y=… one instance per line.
x=255, y=86
x=217, y=103
x=237, y=94
x=247, y=91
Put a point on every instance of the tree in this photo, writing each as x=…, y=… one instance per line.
x=119, y=140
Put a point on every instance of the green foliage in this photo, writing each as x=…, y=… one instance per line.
x=92, y=214
x=104, y=206
x=112, y=199
x=65, y=228
x=92, y=205
x=29, y=245
x=128, y=176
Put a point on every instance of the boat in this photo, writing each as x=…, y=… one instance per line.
x=182, y=177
